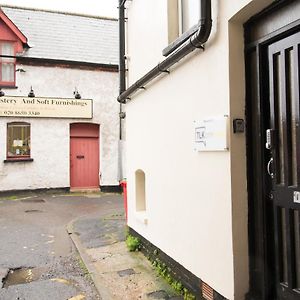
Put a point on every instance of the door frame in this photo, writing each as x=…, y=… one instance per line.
x=262, y=279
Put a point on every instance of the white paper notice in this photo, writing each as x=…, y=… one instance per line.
x=211, y=134
x=18, y=143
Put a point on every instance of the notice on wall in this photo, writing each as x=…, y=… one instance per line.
x=25, y=107
x=211, y=134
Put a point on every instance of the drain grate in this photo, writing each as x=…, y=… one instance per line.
x=22, y=276
x=33, y=211
x=35, y=200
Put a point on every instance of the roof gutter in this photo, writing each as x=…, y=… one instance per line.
x=195, y=41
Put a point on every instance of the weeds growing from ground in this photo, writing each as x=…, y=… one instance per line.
x=133, y=243
x=166, y=273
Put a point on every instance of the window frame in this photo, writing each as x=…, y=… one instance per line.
x=175, y=19
x=8, y=83
x=24, y=157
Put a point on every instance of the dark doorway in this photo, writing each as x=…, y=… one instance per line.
x=273, y=138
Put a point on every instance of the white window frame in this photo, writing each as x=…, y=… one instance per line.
x=181, y=17
x=15, y=148
x=176, y=36
x=10, y=61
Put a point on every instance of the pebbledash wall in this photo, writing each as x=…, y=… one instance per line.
x=196, y=206
x=50, y=137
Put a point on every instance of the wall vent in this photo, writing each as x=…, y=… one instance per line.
x=207, y=291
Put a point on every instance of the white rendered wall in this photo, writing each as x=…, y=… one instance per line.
x=50, y=138
x=196, y=202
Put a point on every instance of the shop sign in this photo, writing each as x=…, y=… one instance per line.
x=211, y=134
x=11, y=106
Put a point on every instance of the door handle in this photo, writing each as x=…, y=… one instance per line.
x=269, y=167
x=80, y=156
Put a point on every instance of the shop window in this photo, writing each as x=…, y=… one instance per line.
x=140, y=190
x=7, y=64
x=183, y=17
x=18, y=141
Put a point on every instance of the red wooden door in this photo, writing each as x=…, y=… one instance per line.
x=84, y=156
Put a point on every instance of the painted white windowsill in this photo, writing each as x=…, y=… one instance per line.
x=141, y=216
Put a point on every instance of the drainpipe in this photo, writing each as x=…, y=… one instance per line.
x=195, y=41
x=122, y=85
x=122, y=67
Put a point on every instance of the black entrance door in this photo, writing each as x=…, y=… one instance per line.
x=272, y=52
x=283, y=164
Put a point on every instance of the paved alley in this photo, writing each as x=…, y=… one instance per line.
x=37, y=257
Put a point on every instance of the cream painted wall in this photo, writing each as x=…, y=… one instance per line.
x=188, y=193
x=50, y=138
x=149, y=38
x=196, y=201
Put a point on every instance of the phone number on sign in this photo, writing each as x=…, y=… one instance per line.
x=20, y=113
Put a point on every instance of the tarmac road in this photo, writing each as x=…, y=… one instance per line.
x=36, y=250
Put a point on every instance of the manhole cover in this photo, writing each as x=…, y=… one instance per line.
x=126, y=272
x=22, y=276
x=33, y=211
x=33, y=200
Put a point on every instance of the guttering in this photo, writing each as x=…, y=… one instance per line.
x=195, y=41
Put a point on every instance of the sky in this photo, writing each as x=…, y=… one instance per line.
x=104, y=8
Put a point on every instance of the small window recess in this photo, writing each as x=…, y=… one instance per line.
x=140, y=196
x=179, y=23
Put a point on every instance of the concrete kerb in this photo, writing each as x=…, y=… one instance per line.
x=102, y=290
